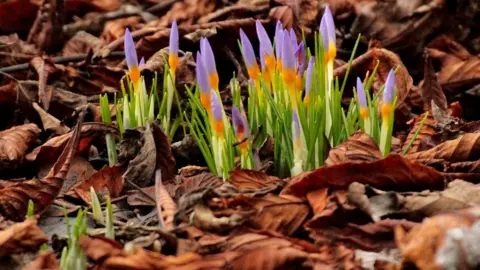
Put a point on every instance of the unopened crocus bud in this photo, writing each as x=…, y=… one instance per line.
x=209, y=62
x=388, y=95
x=362, y=99
x=241, y=127
x=131, y=58
x=173, y=48
x=217, y=113
x=308, y=80
x=249, y=57
x=203, y=83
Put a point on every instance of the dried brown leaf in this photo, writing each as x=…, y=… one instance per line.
x=358, y=148
x=15, y=142
x=428, y=129
x=81, y=43
x=21, y=237
x=284, y=213
x=20, y=20
x=318, y=200
x=47, y=30
x=14, y=198
x=431, y=89
x=44, y=68
x=166, y=207
x=44, y=261
x=392, y=172
x=251, y=179
x=164, y=159
x=464, y=148
x=284, y=14
x=109, y=179
x=420, y=246
x=49, y=122
x=203, y=218
x=51, y=149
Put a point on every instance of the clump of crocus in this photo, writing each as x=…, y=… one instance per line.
x=379, y=128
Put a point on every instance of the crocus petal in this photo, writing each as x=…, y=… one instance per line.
x=247, y=50
x=308, y=79
x=293, y=38
x=142, y=62
x=130, y=51
x=217, y=111
x=263, y=38
x=324, y=32
x=301, y=58
x=295, y=126
x=330, y=25
x=208, y=57
x=174, y=38
x=202, y=75
x=288, y=57
x=389, y=91
x=278, y=40
x=239, y=123
x=362, y=99
x=262, y=57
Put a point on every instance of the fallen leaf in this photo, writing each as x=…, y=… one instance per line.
x=15, y=142
x=251, y=179
x=44, y=261
x=166, y=207
x=427, y=129
x=284, y=213
x=420, y=245
x=204, y=219
x=21, y=237
x=164, y=159
x=392, y=172
x=318, y=200
x=51, y=149
x=14, y=198
x=464, y=148
x=44, y=68
x=358, y=148
x=47, y=30
x=49, y=122
x=431, y=89
x=81, y=43
x=17, y=21
x=108, y=178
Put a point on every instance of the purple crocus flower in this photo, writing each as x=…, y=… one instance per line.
x=278, y=43
x=249, y=56
x=263, y=38
x=142, y=63
x=217, y=113
x=288, y=56
x=131, y=58
x=293, y=38
x=327, y=29
x=209, y=62
x=308, y=79
x=296, y=130
x=389, y=91
x=173, y=48
x=362, y=99
x=203, y=83
x=239, y=123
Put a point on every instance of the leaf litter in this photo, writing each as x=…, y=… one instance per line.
x=416, y=206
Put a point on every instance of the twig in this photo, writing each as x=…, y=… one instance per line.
x=140, y=190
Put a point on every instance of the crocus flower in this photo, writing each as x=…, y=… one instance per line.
x=388, y=95
x=249, y=57
x=203, y=83
x=142, y=63
x=173, y=52
x=209, y=62
x=296, y=131
x=327, y=29
x=131, y=58
x=288, y=59
x=267, y=72
x=241, y=128
x=217, y=114
x=308, y=80
x=266, y=48
x=362, y=99
x=301, y=58
x=278, y=44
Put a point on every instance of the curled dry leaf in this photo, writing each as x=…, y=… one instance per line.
x=358, y=148
x=460, y=70
x=166, y=207
x=15, y=142
x=81, y=43
x=464, y=148
x=44, y=68
x=251, y=179
x=108, y=179
x=49, y=122
x=14, y=198
x=284, y=14
x=154, y=153
x=431, y=89
x=392, y=172
x=21, y=237
x=428, y=129
x=44, y=261
x=421, y=246
x=284, y=213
